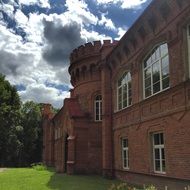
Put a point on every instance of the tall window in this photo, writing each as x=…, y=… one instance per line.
x=159, y=153
x=124, y=91
x=188, y=41
x=125, y=153
x=156, y=71
x=98, y=108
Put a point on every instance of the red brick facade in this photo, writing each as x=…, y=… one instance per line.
x=75, y=143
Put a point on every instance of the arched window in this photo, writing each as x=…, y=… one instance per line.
x=98, y=108
x=124, y=95
x=156, y=71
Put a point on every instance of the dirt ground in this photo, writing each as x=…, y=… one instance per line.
x=2, y=169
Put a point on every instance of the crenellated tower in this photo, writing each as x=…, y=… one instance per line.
x=85, y=71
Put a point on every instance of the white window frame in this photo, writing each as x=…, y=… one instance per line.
x=159, y=147
x=188, y=48
x=125, y=149
x=98, y=108
x=160, y=71
x=121, y=87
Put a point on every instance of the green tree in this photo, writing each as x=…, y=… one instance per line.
x=32, y=133
x=9, y=123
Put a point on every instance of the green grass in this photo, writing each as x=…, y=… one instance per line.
x=31, y=179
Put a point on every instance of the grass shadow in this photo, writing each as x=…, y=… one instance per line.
x=78, y=182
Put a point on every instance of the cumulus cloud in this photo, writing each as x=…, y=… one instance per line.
x=125, y=4
x=107, y=22
x=10, y=62
x=61, y=41
x=78, y=11
x=43, y=56
x=121, y=32
x=8, y=9
x=41, y=3
x=41, y=93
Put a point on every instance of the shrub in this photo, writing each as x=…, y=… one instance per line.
x=39, y=166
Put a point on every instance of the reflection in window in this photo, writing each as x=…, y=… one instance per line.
x=156, y=71
x=124, y=91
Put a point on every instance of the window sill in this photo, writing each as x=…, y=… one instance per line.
x=157, y=173
x=116, y=111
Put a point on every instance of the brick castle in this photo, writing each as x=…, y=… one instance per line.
x=128, y=115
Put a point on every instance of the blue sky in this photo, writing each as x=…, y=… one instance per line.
x=37, y=36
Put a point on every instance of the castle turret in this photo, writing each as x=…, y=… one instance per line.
x=85, y=71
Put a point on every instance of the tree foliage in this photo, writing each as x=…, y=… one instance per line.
x=20, y=128
x=32, y=132
x=9, y=122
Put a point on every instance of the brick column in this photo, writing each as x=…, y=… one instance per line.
x=107, y=145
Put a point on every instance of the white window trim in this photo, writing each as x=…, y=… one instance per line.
x=161, y=84
x=99, y=109
x=121, y=86
x=160, y=147
x=127, y=150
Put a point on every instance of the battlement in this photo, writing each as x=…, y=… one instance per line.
x=89, y=49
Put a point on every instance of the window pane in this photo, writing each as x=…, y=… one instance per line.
x=156, y=69
x=165, y=72
x=129, y=85
x=156, y=139
x=163, y=154
x=153, y=57
x=157, y=165
x=147, y=62
x=125, y=163
x=156, y=87
x=147, y=82
x=163, y=166
x=124, y=91
x=129, y=93
x=165, y=62
x=161, y=138
x=147, y=73
x=165, y=83
x=130, y=101
x=125, y=143
x=129, y=76
x=157, y=154
x=125, y=154
x=125, y=103
x=157, y=53
x=164, y=49
x=156, y=72
x=148, y=92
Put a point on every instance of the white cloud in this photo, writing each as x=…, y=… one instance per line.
x=41, y=3
x=107, y=23
x=8, y=8
x=23, y=63
x=92, y=35
x=41, y=93
x=125, y=4
x=78, y=11
x=121, y=32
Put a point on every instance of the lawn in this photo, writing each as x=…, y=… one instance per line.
x=31, y=179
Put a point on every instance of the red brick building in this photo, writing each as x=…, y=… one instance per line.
x=129, y=111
